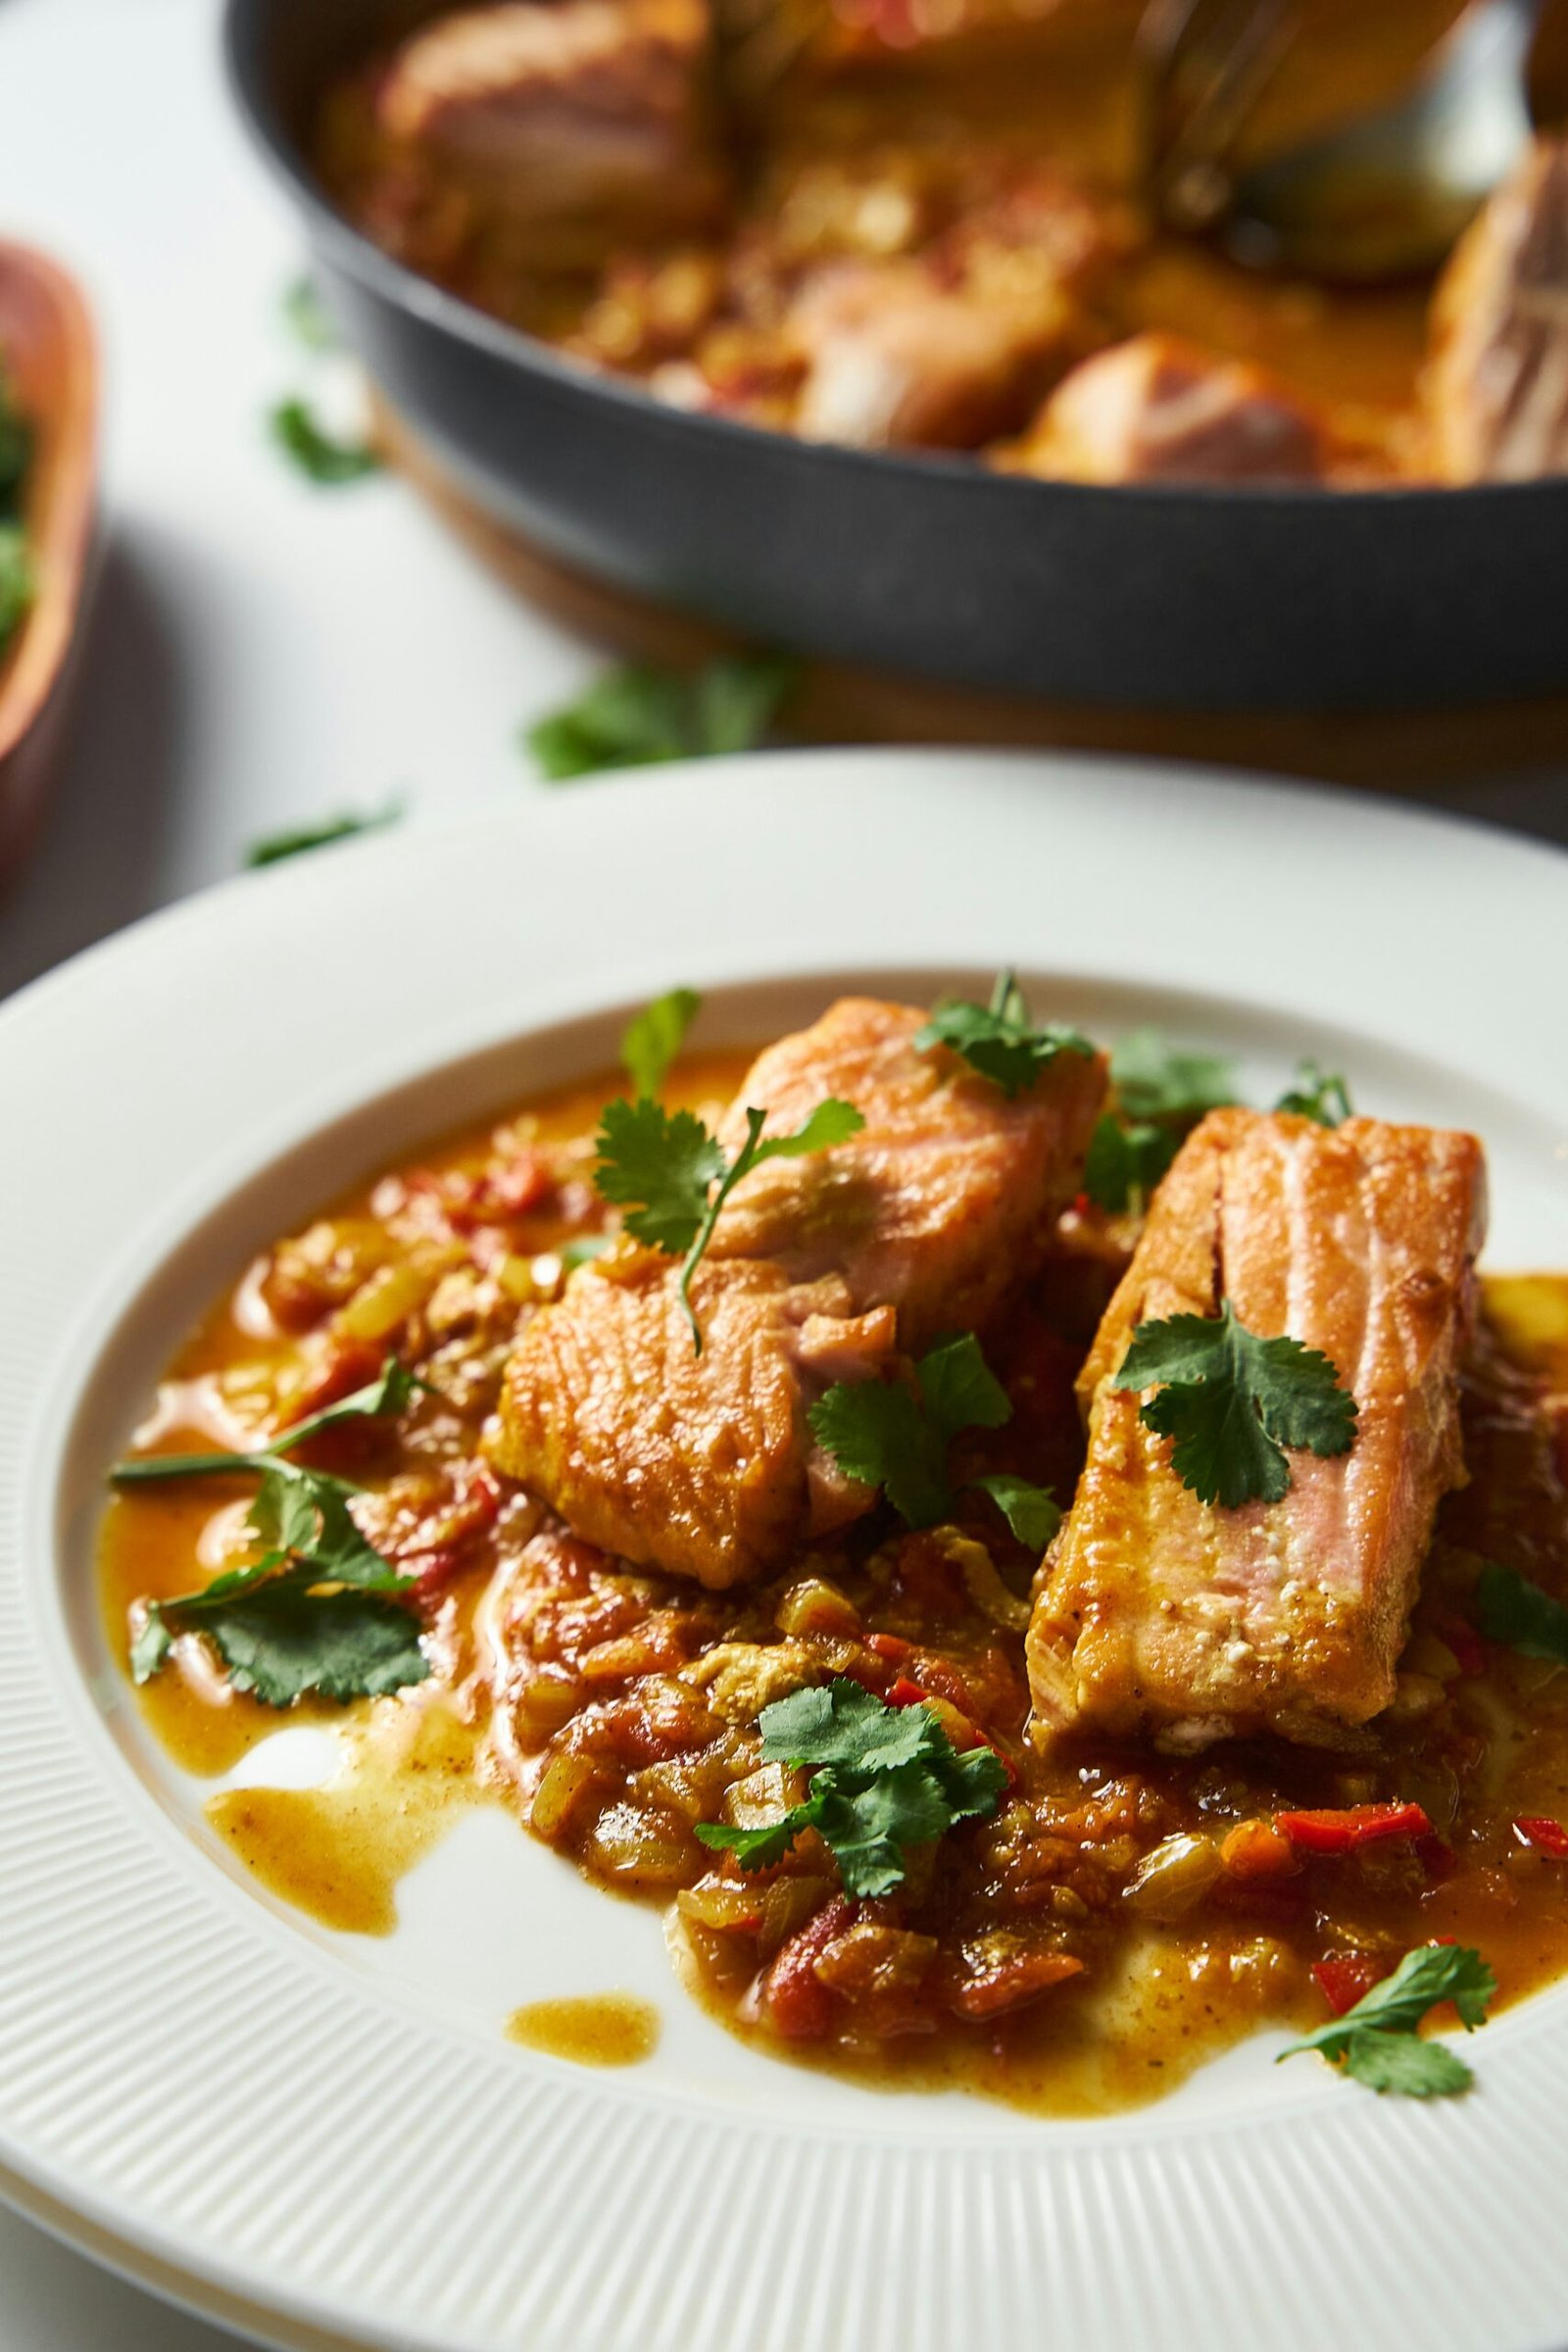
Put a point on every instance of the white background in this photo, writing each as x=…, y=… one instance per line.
x=261, y=652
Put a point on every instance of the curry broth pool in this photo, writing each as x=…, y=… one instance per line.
x=614, y=1710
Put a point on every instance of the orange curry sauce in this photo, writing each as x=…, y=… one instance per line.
x=589, y=1699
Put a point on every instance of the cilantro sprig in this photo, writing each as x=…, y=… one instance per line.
x=671, y=1174
x=1377, y=2043
x=315, y=453
x=1317, y=1094
x=890, y=1435
x=883, y=1781
x=652, y=1038
x=17, y=578
x=1162, y=1091
x=1233, y=1402
x=639, y=715
x=998, y=1039
x=322, y=1609
x=1511, y=1609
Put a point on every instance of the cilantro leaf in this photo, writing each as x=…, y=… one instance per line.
x=280, y=1637
x=272, y=847
x=1317, y=1094
x=885, y=1779
x=998, y=1039
x=673, y=1175
x=639, y=715
x=659, y=1166
x=1157, y=1080
x=881, y=1434
x=327, y=462
x=1032, y=1513
x=1377, y=2043
x=652, y=1038
x=877, y=1433
x=1124, y=1162
x=1511, y=1609
x=1232, y=1402
x=841, y=1722
x=582, y=1248
x=322, y=1609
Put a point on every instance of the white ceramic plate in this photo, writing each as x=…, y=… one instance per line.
x=328, y=2140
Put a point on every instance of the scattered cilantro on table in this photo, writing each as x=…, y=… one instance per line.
x=671, y=1176
x=1377, y=2043
x=883, y=1780
x=321, y=457
x=652, y=1039
x=998, y=1039
x=638, y=715
x=295, y=839
x=1233, y=1402
x=1513, y=1610
x=322, y=1609
x=1317, y=1094
x=306, y=315
x=890, y=1435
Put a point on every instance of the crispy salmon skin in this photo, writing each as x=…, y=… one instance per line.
x=821, y=1269
x=1159, y=1614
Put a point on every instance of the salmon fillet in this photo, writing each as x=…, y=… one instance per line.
x=820, y=1269
x=1158, y=1613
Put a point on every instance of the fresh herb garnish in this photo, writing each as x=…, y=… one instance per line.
x=886, y=1436
x=638, y=715
x=670, y=1173
x=1377, y=2043
x=890, y=1435
x=582, y=1249
x=272, y=848
x=885, y=1779
x=1125, y=1161
x=1157, y=1080
x=1233, y=1402
x=1161, y=1092
x=654, y=1037
x=320, y=1609
x=322, y=459
x=998, y=1039
x=1317, y=1094
x=308, y=316
x=16, y=580
x=1513, y=1610
x=1032, y=1513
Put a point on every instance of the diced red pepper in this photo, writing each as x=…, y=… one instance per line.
x=1466, y=1642
x=1541, y=1832
x=1340, y=1829
x=796, y=2002
x=906, y=1693
x=1007, y=1985
x=1346, y=1977
x=891, y=1646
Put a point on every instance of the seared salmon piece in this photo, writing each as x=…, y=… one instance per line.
x=1497, y=383
x=820, y=1270
x=1160, y=1614
x=1158, y=410
x=546, y=112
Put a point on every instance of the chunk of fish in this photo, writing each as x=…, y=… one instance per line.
x=1160, y=1614
x=548, y=111
x=1497, y=383
x=820, y=1269
x=1157, y=409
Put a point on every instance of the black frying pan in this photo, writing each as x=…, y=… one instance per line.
x=1180, y=598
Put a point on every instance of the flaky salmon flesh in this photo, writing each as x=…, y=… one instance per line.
x=1160, y=1614
x=821, y=1269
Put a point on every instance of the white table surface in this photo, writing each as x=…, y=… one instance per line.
x=261, y=652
